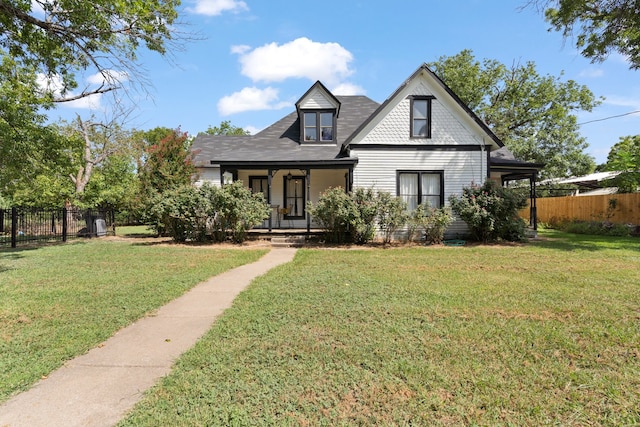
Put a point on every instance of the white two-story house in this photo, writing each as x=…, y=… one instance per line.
x=422, y=144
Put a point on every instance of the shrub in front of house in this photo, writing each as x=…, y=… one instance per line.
x=180, y=213
x=491, y=212
x=354, y=217
x=337, y=214
x=206, y=213
x=236, y=210
x=433, y=222
x=366, y=203
x=392, y=215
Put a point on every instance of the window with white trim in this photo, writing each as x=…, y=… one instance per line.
x=417, y=187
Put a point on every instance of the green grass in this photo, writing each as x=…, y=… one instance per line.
x=542, y=334
x=57, y=302
x=134, y=231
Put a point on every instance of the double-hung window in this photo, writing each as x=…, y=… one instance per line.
x=318, y=126
x=417, y=187
x=421, y=116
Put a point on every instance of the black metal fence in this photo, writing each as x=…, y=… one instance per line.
x=23, y=226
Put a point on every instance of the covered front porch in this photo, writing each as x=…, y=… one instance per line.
x=289, y=186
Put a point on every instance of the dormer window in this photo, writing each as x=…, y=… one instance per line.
x=318, y=112
x=318, y=126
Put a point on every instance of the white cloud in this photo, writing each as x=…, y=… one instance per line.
x=216, y=7
x=240, y=49
x=251, y=129
x=592, y=73
x=300, y=58
x=91, y=102
x=109, y=77
x=251, y=99
x=621, y=101
x=51, y=84
x=54, y=85
x=348, y=89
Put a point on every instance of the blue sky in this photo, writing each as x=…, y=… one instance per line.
x=256, y=58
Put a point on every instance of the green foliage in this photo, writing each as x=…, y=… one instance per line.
x=598, y=28
x=432, y=221
x=595, y=228
x=235, y=209
x=168, y=165
x=491, y=212
x=226, y=128
x=355, y=216
x=179, y=213
x=367, y=206
x=114, y=184
x=26, y=143
x=534, y=115
x=209, y=212
x=76, y=35
x=392, y=215
x=337, y=214
x=624, y=156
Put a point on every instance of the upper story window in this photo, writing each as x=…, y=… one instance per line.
x=421, y=116
x=318, y=126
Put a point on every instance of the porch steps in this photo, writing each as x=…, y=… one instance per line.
x=288, y=241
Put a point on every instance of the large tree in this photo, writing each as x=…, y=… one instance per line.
x=59, y=38
x=87, y=163
x=168, y=163
x=24, y=138
x=599, y=26
x=533, y=114
x=624, y=157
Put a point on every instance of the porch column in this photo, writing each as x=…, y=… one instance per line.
x=533, y=212
x=269, y=176
x=308, y=200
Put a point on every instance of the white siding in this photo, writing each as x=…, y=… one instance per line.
x=209, y=175
x=450, y=126
x=378, y=169
x=447, y=127
x=316, y=99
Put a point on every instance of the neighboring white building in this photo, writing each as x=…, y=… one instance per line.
x=423, y=143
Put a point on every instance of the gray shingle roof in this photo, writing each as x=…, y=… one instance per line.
x=280, y=142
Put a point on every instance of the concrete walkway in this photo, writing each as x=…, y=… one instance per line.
x=98, y=388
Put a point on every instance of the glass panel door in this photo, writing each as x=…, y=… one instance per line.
x=294, y=196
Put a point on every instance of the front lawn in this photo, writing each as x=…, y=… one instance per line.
x=546, y=333
x=57, y=302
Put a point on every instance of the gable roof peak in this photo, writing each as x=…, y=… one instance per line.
x=318, y=86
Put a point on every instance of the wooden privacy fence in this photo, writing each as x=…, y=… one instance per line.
x=616, y=208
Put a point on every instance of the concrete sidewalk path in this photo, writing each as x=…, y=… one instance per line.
x=98, y=388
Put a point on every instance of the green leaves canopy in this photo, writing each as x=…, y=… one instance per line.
x=60, y=37
x=625, y=157
x=534, y=115
x=602, y=26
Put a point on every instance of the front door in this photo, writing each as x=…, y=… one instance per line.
x=294, y=196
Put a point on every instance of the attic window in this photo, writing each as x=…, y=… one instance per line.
x=421, y=116
x=318, y=126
